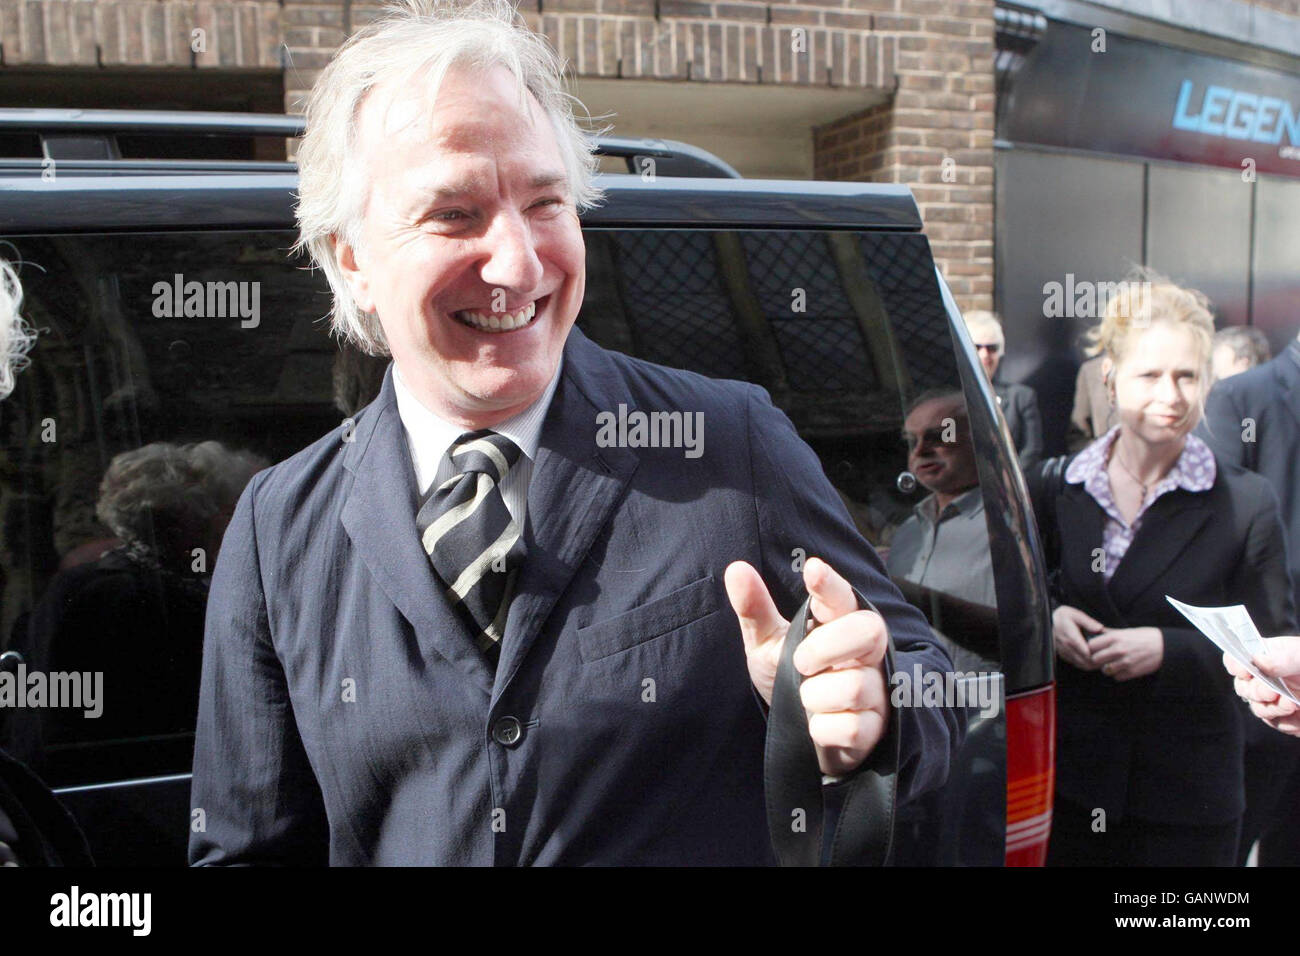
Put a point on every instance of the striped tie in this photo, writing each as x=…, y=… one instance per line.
x=470, y=536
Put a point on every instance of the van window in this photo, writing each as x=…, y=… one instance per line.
x=172, y=367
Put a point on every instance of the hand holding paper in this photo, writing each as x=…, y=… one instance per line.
x=1259, y=667
x=1280, y=660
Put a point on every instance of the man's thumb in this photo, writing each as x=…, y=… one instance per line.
x=1282, y=658
x=760, y=621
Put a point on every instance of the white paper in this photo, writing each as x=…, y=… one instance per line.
x=1232, y=630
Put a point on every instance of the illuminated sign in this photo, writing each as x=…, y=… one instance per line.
x=1236, y=114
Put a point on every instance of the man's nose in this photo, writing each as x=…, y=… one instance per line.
x=510, y=261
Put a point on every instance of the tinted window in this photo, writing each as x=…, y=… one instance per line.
x=174, y=366
x=169, y=370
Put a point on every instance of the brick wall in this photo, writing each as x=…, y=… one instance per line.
x=936, y=135
x=140, y=33
x=735, y=41
x=935, y=56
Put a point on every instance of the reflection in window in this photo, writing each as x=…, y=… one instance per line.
x=122, y=453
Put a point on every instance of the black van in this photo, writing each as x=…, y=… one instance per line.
x=826, y=294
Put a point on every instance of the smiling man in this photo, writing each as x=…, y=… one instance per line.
x=464, y=631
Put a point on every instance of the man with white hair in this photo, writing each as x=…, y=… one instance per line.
x=1018, y=402
x=464, y=629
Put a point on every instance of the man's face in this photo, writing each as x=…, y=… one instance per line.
x=939, y=447
x=1226, y=364
x=989, y=349
x=470, y=248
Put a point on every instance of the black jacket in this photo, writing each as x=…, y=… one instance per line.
x=1268, y=397
x=1165, y=747
x=1020, y=409
x=322, y=579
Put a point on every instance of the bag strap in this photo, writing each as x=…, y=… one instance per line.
x=792, y=780
x=1045, y=489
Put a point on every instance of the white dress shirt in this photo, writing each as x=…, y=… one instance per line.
x=428, y=438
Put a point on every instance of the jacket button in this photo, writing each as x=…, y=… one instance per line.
x=507, y=731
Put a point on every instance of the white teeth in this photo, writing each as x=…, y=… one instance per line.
x=498, y=322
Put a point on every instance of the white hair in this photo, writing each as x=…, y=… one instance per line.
x=417, y=38
x=981, y=321
x=16, y=337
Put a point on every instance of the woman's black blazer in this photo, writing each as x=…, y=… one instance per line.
x=1165, y=747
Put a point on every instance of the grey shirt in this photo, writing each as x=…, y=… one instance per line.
x=947, y=552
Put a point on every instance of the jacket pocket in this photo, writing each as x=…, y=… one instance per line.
x=661, y=616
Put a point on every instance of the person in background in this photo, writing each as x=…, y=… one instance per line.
x=940, y=560
x=35, y=829
x=1253, y=420
x=1150, y=736
x=137, y=610
x=1237, y=349
x=1092, y=415
x=1019, y=404
x=943, y=545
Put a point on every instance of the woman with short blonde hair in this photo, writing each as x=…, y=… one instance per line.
x=1150, y=736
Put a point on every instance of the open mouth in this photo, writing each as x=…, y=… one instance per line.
x=490, y=322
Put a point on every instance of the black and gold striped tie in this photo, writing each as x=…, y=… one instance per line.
x=470, y=536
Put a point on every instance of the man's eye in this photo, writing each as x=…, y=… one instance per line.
x=549, y=201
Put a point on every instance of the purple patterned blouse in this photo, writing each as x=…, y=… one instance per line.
x=1194, y=471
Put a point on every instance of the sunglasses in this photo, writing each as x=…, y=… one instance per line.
x=931, y=436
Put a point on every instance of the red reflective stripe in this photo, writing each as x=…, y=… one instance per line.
x=1031, y=775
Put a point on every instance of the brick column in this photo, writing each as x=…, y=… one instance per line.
x=935, y=135
x=104, y=33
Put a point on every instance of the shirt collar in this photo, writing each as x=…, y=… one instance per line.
x=968, y=503
x=1193, y=471
x=429, y=435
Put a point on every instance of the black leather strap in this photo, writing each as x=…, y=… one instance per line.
x=792, y=780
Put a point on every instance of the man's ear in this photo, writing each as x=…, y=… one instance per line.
x=354, y=273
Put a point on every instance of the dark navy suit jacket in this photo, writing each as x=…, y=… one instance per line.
x=1267, y=398
x=345, y=716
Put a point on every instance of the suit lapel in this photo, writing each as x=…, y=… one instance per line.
x=1169, y=527
x=379, y=515
x=1082, y=523
x=574, y=490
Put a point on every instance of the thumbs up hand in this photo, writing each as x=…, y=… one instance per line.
x=842, y=660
